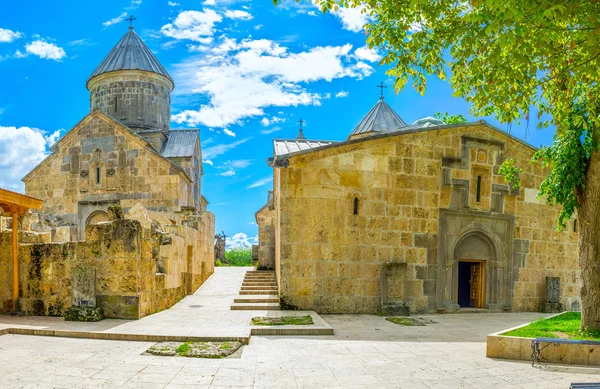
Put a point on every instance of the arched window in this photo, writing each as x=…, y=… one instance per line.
x=98, y=175
x=97, y=217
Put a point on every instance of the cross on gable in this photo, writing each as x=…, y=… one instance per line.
x=381, y=87
x=301, y=122
x=130, y=19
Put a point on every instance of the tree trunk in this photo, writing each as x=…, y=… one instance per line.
x=589, y=246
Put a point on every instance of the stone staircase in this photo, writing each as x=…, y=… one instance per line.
x=258, y=293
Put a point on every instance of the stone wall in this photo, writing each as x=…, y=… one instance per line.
x=422, y=199
x=138, y=99
x=265, y=219
x=138, y=270
x=130, y=173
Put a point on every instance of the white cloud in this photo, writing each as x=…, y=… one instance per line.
x=210, y=2
x=274, y=119
x=45, y=50
x=134, y=4
x=342, y=93
x=241, y=79
x=353, y=19
x=237, y=14
x=7, y=36
x=197, y=26
x=367, y=54
x=241, y=240
x=228, y=173
x=116, y=20
x=172, y=4
x=19, y=54
x=312, y=13
x=261, y=182
x=21, y=150
x=258, y=27
x=208, y=162
x=216, y=150
x=271, y=130
x=228, y=132
x=220, y=204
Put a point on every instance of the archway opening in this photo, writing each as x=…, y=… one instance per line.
x=472, y=253
x=97, y=217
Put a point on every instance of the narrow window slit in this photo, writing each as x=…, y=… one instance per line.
x=575, y=225
x=356, y=205
x=478, y=195
x=98, y=172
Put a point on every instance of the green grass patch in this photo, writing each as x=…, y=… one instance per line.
x=239, y=256
x=183, y=348
x=409, y=321
x=563, y=326
x=283, y=320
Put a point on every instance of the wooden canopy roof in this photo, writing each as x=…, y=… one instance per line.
x=13, y=202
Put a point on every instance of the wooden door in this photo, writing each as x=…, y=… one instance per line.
x=477, y=285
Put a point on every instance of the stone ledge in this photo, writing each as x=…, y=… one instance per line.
x=517, y=348
x=124, y=337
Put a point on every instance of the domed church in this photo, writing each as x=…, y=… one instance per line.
x=124, y=151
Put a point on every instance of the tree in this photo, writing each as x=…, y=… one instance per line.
x=510, y=58
x=450, y=119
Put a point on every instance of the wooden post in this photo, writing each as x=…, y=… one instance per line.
x=15, y=258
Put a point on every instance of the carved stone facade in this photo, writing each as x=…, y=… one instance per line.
x=429, y=200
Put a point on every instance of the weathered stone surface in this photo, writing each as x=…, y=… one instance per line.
x=83, y=284
x=83, y=314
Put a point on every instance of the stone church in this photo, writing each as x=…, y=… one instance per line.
x=123, y=152
x=412, y=218
x=123, y=222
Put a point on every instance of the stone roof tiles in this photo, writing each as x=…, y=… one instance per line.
x=380, y=118
x=130, y=53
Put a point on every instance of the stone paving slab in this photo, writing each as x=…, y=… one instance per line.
x=365, y=352
x=203, y=316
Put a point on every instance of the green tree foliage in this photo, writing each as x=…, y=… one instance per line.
x=450, y=119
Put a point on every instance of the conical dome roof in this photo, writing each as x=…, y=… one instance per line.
x=130, y=54
x=380, y=118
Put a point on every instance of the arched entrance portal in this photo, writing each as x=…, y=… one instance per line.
x=97, y=217
x=473, y=253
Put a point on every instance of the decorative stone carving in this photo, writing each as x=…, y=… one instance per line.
x=221, y=240
x=110, y=172
x=393, y=289
x=84, y=173
x=552, y=304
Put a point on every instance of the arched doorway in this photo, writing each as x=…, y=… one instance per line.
x=473, y=253
x=97, y=217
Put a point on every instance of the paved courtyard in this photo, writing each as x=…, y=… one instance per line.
x=366, y=352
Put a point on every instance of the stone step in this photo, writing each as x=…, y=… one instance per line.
x=255, y=307
x=257, y=299
x=261, y=292
x=259, y=288
x=259, y=284
x=260, y=272
x=260, y=276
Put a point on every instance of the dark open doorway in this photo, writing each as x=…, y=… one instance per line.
x=470, y=284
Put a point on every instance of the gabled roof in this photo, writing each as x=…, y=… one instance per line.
x=412, y=129
x=288, y=146
x=380, y=118
x=130, y=53
x=181, y=143
x=97, y=113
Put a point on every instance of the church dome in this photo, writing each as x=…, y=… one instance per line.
x=428, y=121
x=132, y=87
x=130, y=53
x=380, y=118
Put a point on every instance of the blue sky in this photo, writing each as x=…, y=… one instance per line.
x=245, y=73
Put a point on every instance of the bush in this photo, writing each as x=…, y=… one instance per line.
x=239, y=256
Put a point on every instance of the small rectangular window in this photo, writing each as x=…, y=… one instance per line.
x=356, y=205
x=478, y=195
x=98, y=172
x=575, y=225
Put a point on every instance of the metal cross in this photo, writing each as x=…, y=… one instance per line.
x=381, y=86
x=301, y=123
x=130, y=19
